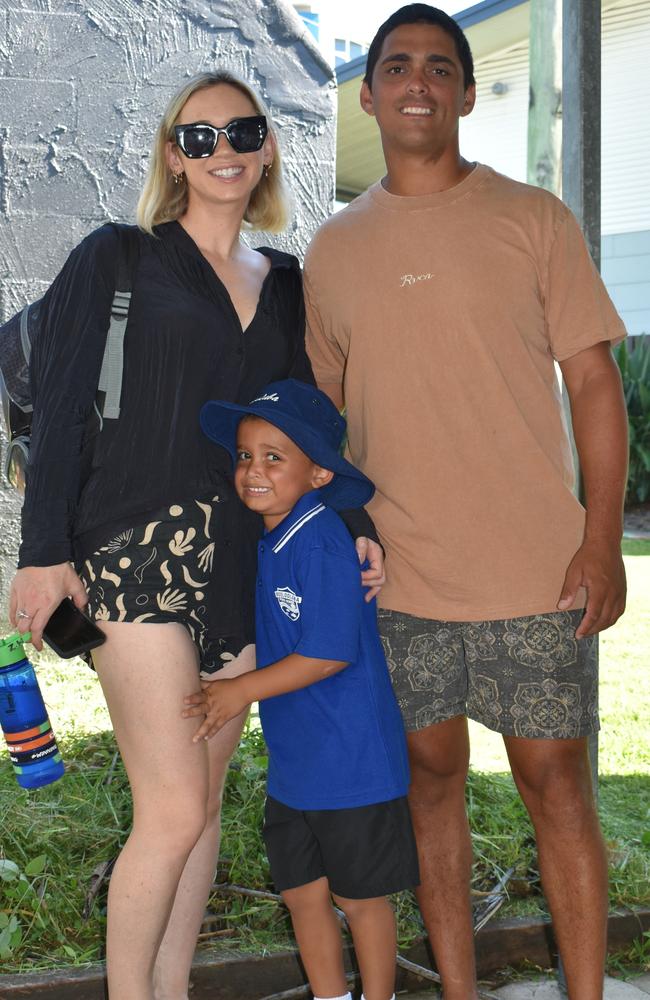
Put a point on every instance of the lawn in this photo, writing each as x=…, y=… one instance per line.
x=54, y=839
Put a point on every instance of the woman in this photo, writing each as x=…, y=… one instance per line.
x=146, y=510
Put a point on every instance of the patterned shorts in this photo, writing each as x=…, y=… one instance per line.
x=525, y=676
x=171, y=569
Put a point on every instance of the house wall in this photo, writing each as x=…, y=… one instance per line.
x=83, y=86
x=496, y=133
x=625, y=267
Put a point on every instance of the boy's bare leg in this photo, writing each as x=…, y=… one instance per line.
x=374, y=932
x=318, y=936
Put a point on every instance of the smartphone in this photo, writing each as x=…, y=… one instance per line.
x=70, y=632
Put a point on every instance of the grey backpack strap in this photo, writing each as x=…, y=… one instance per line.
x=110, y=376
x=25, y=339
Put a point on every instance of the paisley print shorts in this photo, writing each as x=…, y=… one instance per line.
x=169, y=570
x=526, y=676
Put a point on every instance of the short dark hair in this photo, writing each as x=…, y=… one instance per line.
x=422, y=13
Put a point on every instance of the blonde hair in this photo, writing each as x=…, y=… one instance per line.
x=163, y=200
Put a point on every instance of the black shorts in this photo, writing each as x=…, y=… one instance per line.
x=363, y=852
x=183, y=564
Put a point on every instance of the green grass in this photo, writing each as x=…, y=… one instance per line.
x=55, y=837
x=636, y=546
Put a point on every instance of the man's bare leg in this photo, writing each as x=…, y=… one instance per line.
x=439, y=758
x=554, y=780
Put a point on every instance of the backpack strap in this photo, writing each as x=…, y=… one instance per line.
x=110, y=376
x=25, y=338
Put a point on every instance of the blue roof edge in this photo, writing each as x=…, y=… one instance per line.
x=466, y=18
x=483, y=11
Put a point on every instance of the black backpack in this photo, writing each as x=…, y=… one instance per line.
x=18, y=335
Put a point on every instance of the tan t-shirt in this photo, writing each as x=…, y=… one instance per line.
x=442, y=316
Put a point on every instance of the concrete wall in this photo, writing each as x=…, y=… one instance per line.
x=83, y=84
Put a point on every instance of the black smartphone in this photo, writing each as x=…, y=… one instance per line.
x=70, y=632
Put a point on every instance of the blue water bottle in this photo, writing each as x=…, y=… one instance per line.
x=25, y=724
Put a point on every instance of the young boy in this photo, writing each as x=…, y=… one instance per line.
x=336, y=819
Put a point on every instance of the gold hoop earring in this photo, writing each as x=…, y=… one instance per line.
x=179, y=177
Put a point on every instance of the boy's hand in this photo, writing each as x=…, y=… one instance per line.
x=220, y=701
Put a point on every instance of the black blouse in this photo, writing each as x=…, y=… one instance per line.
x=184, y=344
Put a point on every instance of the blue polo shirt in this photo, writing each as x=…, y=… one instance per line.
x=338, y=743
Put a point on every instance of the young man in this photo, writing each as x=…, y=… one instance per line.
x=437, y=304
x=336, y=816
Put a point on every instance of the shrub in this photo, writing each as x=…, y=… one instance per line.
x=634, y=363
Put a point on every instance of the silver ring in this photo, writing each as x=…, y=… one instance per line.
x=23, y=614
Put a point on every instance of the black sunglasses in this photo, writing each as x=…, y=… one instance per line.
x=245, y=135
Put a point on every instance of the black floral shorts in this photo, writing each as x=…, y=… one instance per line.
x=526, y=676
x=171, y=569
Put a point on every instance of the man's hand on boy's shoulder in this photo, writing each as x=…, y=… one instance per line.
x=219, y=701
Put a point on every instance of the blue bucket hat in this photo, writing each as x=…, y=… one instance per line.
x=310, y=419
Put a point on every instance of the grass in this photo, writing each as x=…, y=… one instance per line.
x=53, y=839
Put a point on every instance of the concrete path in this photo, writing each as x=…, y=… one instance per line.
x=547, y=989
x=615, y=989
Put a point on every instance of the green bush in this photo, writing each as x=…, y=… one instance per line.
x=634, y=364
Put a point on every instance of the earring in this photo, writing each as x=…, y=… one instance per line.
x=179, y=177
x=267, y=169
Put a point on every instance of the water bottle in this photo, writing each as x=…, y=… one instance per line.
x=26, y=726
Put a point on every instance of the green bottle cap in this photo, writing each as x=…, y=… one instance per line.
x=12, y=648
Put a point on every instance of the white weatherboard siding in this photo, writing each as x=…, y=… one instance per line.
x=625, y=260
x=626, y=118
x=496, y=133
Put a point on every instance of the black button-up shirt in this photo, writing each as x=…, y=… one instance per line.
x=183, y=345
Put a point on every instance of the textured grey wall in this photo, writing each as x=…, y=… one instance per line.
x=83, y=84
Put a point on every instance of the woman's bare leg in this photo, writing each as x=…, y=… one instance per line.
x=174, y=960
x=145, y=671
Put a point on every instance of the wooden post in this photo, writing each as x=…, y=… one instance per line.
x=545, y=100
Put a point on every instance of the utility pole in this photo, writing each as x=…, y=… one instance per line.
x=581, y=35
x=564, y=128
x=581, y=129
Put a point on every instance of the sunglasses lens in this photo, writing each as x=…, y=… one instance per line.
x=247, y=135
x=198, y=140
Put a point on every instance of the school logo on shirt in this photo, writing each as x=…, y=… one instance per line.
x=289, y=602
